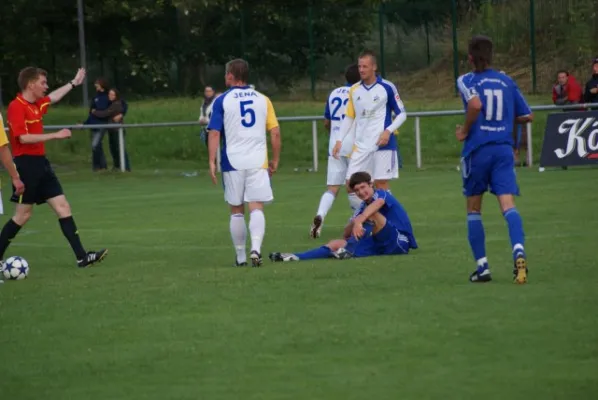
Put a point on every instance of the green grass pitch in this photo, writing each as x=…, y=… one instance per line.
x=165, y=316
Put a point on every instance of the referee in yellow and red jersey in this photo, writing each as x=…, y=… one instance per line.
x=27, y=138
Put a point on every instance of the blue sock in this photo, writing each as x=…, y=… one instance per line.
x=515, y=230
x=320, y=252
x=477, y=238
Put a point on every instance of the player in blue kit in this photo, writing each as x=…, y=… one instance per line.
x=381, y=226
x=493, y=103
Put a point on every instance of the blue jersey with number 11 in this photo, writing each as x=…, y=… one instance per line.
x=501, y=101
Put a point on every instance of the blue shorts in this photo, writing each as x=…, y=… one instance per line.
x=490, y=167
x=389, y=241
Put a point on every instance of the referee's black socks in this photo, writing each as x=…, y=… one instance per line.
x=69, y=229
x=10, y=230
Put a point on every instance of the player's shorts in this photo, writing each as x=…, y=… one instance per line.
x=381, y=164
x=489, y=167
x=337, y=171
x=40, y=181
x=246, y=186
x=388, y=241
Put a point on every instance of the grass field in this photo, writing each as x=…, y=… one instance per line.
x=167, y=317
x=181, y=148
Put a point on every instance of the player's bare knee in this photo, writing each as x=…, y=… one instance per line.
x=381, y=184
x=255, y=206
x=63, y=210
x=237, y=209
x=336, y=244
x=474, y=204
x=506, y=202
x=379, y=222
x=334, y=189
x=22, y=214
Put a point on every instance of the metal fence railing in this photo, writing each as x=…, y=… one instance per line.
x=416, y=115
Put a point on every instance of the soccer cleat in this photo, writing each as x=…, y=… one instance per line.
x=342, y=254
x=256, y=259
x=238, y=264
x=92, y=257
x=520, y=269
x=283, y=257
x=316, y=227
x=481, y=275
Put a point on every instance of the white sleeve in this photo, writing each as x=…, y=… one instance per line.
x=467, y=91
x=345, y=128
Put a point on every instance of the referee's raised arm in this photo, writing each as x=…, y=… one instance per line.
x=58, y=94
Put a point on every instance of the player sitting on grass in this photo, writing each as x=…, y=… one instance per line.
x=381, y=226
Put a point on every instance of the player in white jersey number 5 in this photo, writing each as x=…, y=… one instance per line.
x=371, y=104
x=240, y=118
x=337, y=168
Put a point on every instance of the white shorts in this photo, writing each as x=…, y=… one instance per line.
x=381, y=164
x=251, y=185
x=337, y=171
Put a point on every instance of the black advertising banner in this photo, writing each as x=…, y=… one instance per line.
x=570, y=139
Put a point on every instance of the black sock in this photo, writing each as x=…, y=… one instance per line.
x=10, y=230
x=69, y=229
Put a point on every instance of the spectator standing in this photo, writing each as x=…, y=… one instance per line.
x=115, y=114
x=100, y=102
x=591, y=92
x=206, y=111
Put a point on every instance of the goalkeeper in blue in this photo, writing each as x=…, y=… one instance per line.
x=379, y=227
x=493, y=103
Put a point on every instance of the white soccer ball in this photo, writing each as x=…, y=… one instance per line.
x=15, y=268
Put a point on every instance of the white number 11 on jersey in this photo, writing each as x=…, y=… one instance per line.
x=490, y=95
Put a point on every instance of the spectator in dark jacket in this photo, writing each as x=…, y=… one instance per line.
x=100, y=102
x=591, y=93
x=115, y=114
x=567, y=90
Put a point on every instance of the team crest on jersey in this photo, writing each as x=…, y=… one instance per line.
x=376, y=98
x=397, y=97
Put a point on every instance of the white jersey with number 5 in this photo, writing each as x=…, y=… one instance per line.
x=335, y=113
x=242, y=115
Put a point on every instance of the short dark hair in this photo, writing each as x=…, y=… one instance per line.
x=358, y=178
x=352, y=74
x=480, y=49
x=368, y=53
x=562, y=71
x=239, y=68
x=103, y=82
x=28, y=75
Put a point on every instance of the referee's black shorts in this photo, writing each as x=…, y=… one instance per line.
x=40, y=181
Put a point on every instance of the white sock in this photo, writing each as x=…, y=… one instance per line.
x=257, y=229
x=325, y=204
x=354, y=201
x=238, y=232
x=482, y=261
